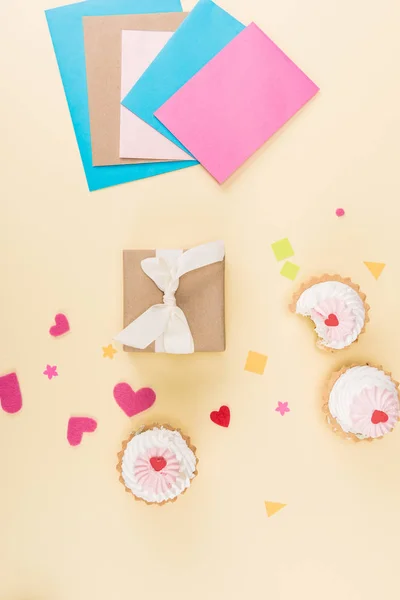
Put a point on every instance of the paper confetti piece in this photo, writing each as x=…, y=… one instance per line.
x=282, y=408
x=77, y=426
x=256, y=362
x=273, y=507
x=10, y=393
x=61, y=326
x=282, y=249
x=109, y=351
x=50, y=372
x=133, y=403
x=290, y=270
x=375, y=268
x=221, y=417
x=340, y=212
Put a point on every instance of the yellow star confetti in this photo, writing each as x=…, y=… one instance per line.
x=109, y=351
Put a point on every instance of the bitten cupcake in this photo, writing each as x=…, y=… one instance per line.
x=362, y=402
x=336, y=306
x=157, y=464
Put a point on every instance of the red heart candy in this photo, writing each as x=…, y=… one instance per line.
x=221, y=417
x=61, y=326
x=158, y=462
x=332, y=321
x=133, y=403
x=378, y=416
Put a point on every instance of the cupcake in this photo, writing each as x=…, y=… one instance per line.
x=157, y=464
x=362, y=402
x=336, y=306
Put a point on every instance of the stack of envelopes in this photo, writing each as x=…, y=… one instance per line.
x=152, y=89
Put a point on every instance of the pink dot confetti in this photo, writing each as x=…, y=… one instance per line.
x=339, y=212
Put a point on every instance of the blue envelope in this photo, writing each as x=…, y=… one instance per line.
x=66, y=29
x=204, y=33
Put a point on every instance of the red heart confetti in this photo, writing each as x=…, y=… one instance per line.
x=221, y=417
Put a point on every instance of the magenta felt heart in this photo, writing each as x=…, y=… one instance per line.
x=61, y=325
x=77, y=426
x=10, y=393
x=133, y=403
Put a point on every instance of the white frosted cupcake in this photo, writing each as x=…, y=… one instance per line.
x=336, y=306
x=157, y=464
x=362, y=402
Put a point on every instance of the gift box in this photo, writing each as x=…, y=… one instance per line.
x=174, y=300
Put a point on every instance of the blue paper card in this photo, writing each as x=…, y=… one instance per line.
x=204, y=33
x=66, y=29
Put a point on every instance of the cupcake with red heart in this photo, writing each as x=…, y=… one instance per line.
x=362, y=402
x=336, y=306
x=157, y=464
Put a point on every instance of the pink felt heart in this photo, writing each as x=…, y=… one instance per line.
x=10, y=393
x=133, y=403
x=77, y=426
x=61, y=325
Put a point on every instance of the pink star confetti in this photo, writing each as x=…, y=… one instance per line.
x=282, y=408
x=50, y=372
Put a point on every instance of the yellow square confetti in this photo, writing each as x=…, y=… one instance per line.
x=256, y=362
x=282, y=249
x=290, y=270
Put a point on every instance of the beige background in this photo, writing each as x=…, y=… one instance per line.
x=67, y=529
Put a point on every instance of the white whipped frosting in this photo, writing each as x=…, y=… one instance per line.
x=349, y=385
x=319, y=292
x=158, y=438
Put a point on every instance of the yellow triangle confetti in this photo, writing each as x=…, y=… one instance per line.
x=375, y=268
x=273, y=507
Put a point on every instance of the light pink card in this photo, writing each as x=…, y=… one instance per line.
x=236, y=102
x=137, y=138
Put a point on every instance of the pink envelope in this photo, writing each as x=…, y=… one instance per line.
x=236, y=102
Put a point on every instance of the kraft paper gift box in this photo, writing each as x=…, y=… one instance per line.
x=174, y=300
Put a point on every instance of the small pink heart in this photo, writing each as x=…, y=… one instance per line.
x=10, y=393
x=61, y=326
x=77, y=426
x=133, y=403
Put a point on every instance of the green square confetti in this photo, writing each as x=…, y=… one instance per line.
x=282, y=249
x=290, y=270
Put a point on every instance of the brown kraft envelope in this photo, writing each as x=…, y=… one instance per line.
x=201, y=296
x=103, y=37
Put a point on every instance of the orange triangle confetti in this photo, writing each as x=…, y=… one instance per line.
x=375, y=268
x=273, y=507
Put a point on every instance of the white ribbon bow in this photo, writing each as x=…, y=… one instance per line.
x=166, y=323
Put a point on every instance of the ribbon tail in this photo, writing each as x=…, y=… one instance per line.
x=147, y=328
x=178, y=338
